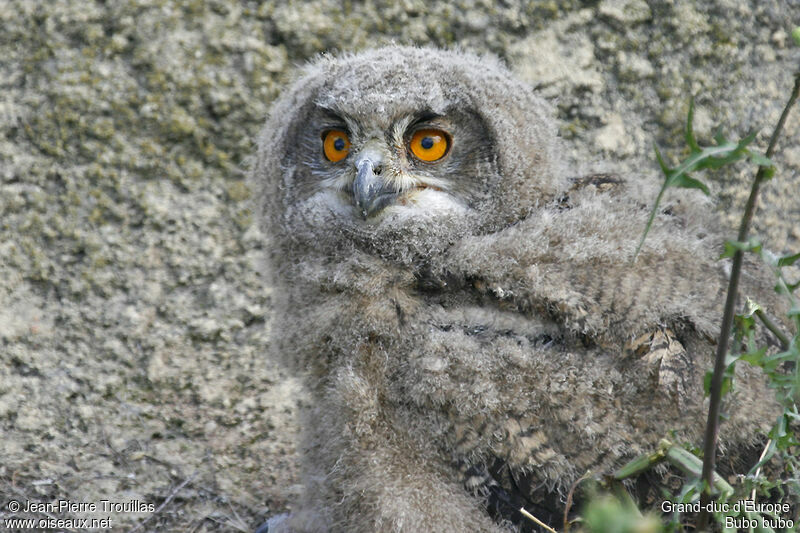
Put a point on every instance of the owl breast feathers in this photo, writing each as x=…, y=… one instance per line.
x=468, y=320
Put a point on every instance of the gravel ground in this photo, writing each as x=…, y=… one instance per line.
x=133, y=320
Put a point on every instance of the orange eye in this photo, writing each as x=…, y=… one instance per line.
x=429, y=144
x=336, y=145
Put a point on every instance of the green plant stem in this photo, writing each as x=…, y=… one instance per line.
x=712, y=425
x=770, y=325
x=683, y=460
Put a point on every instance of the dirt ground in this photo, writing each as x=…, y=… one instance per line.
x=134, y=386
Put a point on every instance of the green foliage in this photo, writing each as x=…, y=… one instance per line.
x=712, y=157
x=731, y=247
x=788, y=260
x=608, y=514
x=782, y=370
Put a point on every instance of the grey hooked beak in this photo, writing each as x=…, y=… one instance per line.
x=369, y=190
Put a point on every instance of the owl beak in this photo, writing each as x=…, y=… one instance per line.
x=369, y=190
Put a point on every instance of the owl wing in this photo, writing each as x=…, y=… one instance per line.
x=638, y=334
x=511, y=482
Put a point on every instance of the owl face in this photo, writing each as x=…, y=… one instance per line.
x=385, y=168
x=403, y=144
x=388, y=168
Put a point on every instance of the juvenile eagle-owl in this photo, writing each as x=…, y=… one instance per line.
x=468, y=320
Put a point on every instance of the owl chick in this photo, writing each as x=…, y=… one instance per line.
x=468, y=321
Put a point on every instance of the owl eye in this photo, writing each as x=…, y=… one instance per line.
x=429, y=144
x=336, y=145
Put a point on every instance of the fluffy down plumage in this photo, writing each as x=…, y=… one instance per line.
x=487, y=338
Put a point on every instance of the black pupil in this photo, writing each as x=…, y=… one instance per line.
x=427, y=142
x=338, y=144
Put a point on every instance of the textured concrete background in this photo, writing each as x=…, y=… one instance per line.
x=133, y=323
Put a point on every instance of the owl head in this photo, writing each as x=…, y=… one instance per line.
x=403, y=150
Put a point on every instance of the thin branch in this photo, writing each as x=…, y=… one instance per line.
x=538, y=522
x=570, y=496
x=169, y=498
x=773, y=328
x=712, y=425
x=758, y=470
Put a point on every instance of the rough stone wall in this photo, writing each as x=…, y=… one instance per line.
x=133, y=322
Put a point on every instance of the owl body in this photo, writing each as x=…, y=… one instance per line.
x=472, y=330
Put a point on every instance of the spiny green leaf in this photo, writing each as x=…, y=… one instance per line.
x=787, y=260
x=761, y=160
x=684, y=181
x=700, y=158
x=746, y=140
x=796, y=35
x=690, y=139
x=664, y=168
x=731, y=247
x=755, y=358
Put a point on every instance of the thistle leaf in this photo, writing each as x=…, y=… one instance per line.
x=690, y=139
x=731, y=247
x=787, y=260
x=700, y=158
x=761, y=160
x=684, y=181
